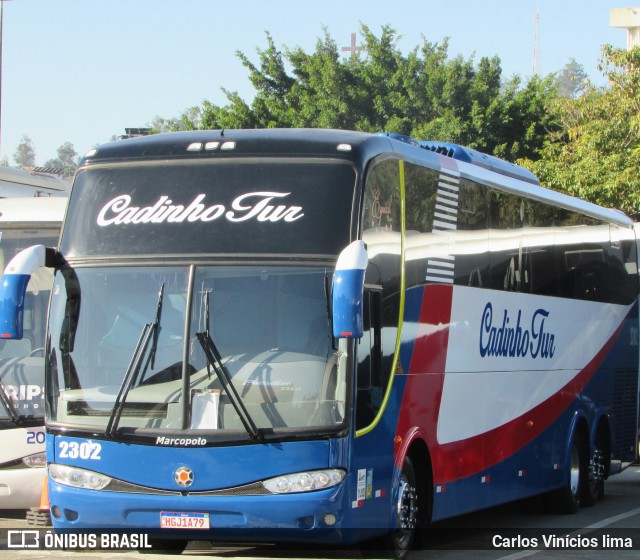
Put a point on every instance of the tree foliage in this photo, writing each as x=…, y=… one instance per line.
x=424, y=94
x=572, y=80
x=25, y=154
x=595, y=154
x=66, y=161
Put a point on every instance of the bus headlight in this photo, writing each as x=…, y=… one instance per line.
x=36, y=460
x=77, y=478
x=304, y=481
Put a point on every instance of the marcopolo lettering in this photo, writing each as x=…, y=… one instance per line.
x=249, y=206
x=182, y=442
x=510, y=339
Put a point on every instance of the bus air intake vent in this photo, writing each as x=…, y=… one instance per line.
x=399, y=137
x=474, y=157
x=252, y=489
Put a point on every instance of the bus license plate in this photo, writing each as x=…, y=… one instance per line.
x=180, y=520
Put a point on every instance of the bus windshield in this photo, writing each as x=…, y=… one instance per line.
x=22, y=361
x=269, y=326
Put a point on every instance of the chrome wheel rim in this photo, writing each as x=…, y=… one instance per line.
x=574, y=472
x=407, y=512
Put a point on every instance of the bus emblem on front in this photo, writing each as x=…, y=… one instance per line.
x=183, y=476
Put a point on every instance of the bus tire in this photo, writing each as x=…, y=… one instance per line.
x=568, y=499
x=401, y=537
x=591, y=492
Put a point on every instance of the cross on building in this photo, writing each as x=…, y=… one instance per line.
x=352, y=48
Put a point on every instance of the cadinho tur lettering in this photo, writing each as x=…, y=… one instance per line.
x=510, y=339
x=248, y=206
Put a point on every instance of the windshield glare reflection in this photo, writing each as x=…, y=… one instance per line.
x=116, y=343
x=22, y=361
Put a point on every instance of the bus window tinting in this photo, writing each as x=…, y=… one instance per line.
x=497, y=240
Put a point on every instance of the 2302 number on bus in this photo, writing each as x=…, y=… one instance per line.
x=84, y=450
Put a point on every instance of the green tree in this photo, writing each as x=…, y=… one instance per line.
x=189, y=120
x=572, y=79
x=25, y=154
x=66, y=160
x=424, y=94
x=595, y=154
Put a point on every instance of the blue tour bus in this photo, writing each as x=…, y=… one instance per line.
x=328, y=336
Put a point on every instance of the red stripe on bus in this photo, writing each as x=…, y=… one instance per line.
x=423, y=393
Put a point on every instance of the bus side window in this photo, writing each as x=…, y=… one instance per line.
x=370, y=386
x=471, y=245
x=381, y=231
x=541, y=277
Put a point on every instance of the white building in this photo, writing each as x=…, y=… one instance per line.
x=628, y=18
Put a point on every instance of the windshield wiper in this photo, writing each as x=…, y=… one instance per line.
x=214, y=358
x=133, y=369
x=206, y=296
x=156, y=333
x=130, y=377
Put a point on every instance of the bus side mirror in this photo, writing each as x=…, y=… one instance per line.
x=13, y=288
x=347, y=291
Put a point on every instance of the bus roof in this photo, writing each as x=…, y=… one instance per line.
x=212, y=143
x=29, y=210
x=357, y=146
x=20, y=182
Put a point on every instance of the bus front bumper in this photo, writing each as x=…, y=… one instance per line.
x=310, y=516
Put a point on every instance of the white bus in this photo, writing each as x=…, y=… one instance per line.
x=25, y=222
x=18, y=183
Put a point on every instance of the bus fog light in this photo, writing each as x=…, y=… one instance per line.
x=304, y=481
x=78, y=478
x=329, y=519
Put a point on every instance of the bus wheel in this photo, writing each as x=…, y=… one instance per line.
x=401, y=537
x=568, y=498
